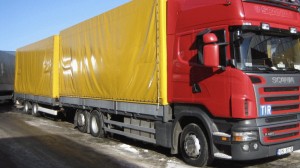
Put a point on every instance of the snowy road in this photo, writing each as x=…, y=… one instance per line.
x=28, y=142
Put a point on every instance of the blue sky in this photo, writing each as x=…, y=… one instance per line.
x=26, y=21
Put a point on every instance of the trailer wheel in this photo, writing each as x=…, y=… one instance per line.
x=27, y=106
x=193, y=146
x=97, y=124
x=34, y=110
x=82, y=121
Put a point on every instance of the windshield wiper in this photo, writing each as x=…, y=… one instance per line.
x=263, y=69
x=293, y=70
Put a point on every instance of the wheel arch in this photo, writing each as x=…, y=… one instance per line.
x=186, y=114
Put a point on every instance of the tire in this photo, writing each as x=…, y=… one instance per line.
x=27, y=107
x=194, y=146
x=96, y=124
x=82, y=121
x=34, y=110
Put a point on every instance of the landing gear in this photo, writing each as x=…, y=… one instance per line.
x=194, y=146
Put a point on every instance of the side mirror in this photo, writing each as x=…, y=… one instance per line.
x=211, y=51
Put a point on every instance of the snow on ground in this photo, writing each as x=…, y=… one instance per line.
x=175, y=164
x=41, y=123
x=297, y=151
x=128, y=148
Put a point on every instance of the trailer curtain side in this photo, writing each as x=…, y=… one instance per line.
x=119, y=55
x=37, y=68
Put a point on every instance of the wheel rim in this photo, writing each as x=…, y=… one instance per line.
x=35, y=109
x=81, y=119
x=192, y=146
x=26, y=107
x=94, y=125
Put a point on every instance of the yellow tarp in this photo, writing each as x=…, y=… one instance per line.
x=37, y=68
x=119, y=55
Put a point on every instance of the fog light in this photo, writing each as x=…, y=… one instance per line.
x=254, y=146
x=245, y=147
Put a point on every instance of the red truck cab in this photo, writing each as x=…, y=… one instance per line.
x=234, y=68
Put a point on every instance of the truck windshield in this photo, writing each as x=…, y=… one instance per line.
x=267, y=53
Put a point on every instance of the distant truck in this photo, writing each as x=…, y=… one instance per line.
x=7, y=72
x=207, y=79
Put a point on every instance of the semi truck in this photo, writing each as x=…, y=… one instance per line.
x=206, y=79
x=7, y=72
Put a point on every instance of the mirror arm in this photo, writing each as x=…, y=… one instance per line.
x=223, y=68
x=223, y=44
x=203, y=32
x=232, y=63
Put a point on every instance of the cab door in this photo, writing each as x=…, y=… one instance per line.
x=196, y=84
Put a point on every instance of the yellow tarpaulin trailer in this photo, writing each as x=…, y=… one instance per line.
x=119, y=55
x=36, y=74
x=110, y=67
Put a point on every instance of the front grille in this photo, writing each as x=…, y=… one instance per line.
x=282, y=133
x=288, y=107
x=281, y=89
x=281, y=118
x=282, y=127
x=278, y=107
x=283, y=98
x=283, y=136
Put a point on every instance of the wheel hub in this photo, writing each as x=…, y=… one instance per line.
x=81, y=120
x=26, y=108
x=35, y=109
x=94, y=125
x=192, y=146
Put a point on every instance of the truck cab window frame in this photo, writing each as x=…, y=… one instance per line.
x=256, y=51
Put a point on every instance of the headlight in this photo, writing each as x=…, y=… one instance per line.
x=244, y=136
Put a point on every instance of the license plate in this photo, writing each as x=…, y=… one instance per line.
x=284, y=151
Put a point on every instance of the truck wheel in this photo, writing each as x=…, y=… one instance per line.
x=193, y=146
x=96, y=124
x=27, y=106
x=82, y=121
x=34, y=110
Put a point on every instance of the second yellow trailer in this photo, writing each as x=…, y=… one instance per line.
x=36, y=76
